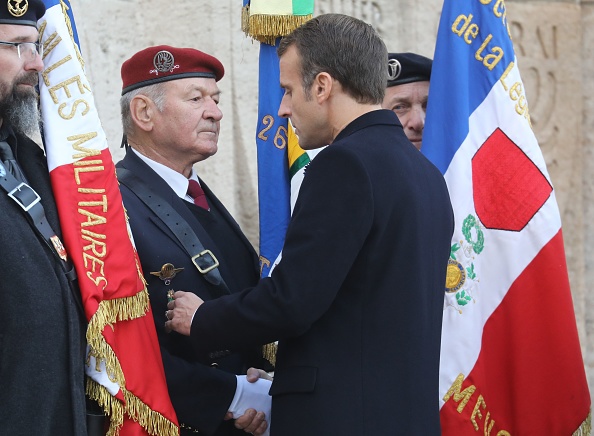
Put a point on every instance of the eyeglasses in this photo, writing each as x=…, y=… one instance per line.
x=27, y=50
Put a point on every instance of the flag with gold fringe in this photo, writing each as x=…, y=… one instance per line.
x=124, y=369
x=511, y=362
x=280, y=159
x=267, y=20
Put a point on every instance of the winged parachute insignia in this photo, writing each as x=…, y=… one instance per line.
x=168, y=271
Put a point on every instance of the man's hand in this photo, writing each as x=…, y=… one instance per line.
x=253, y=374
x=252, y=390
x=251, y=422
x=181, y=312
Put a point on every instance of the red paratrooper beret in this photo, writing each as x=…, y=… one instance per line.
x=163, y=63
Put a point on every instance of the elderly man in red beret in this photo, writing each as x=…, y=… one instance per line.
x=407, y=92
x=42, y=342
x=185, y=237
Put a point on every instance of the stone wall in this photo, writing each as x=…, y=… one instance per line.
x=554, y=44
x=586, y=318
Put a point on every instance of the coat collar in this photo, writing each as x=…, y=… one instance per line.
x=380, y=116
x=133, y=163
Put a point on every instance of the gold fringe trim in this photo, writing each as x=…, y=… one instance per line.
x=266, y=28
x=586, y=427
x=269, y=352
x=112, y=407
x=153, y=422
x=108, y=313
x=245, y=19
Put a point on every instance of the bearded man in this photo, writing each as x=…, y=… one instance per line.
x=41, y=319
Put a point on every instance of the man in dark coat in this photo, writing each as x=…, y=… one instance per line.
x=356, y=301
x=41, y=320
x=171, y=120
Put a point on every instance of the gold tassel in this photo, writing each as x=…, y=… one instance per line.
x=586, y=428
x=269, y=352
x=112, y=407
x=153, y=422
x=266, y=28
x=245, y=19
x=108, y=313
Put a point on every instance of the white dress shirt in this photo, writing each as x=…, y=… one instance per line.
x=176, y=181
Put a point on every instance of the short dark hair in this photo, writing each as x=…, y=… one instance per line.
x=348, y=49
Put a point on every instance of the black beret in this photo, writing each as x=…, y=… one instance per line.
x=407, y=68
x=23, y=12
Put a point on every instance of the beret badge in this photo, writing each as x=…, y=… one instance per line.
x=15, y=8
x=164, y=61
x=394, y=69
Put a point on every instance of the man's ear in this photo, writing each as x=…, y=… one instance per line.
x=322, y=86
x=142, y=111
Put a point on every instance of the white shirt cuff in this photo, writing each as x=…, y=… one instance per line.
x=251, y=396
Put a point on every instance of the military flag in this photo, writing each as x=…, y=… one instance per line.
x=511, y=362
x=280, y=159
x=124, y=368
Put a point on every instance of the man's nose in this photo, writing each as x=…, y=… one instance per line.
x=34, y=64
x=213, y=111
x=417, y=118
x=284, y=110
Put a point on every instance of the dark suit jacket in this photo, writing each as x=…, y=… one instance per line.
x=201, y=385
x=357, y=299
x=41, y=330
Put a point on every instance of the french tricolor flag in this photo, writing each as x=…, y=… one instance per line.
x=511, y=362
x=124, y=367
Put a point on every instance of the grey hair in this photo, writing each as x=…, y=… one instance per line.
x=155, y=92
x=19, y=106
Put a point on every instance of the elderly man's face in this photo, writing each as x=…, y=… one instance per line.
x=187, y=130
x=18, y=77
x=409, y=102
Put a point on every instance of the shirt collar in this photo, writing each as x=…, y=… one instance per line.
x=175, y=180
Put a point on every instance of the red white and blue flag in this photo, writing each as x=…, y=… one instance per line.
x=511, y=362
x=124, y=367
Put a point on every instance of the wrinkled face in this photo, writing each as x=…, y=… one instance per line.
x=307, y=116
x=187, y=130
x=409, y=102
x=18, y=77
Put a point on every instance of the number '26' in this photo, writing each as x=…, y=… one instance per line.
x=280, y=138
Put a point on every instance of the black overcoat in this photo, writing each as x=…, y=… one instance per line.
x=357, y=299
x=42, y=348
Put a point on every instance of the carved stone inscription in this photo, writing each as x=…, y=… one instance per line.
x=549, y=58
x=537, y=47
x=366, y=10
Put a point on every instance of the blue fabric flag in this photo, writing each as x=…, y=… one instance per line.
x=273, y=171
